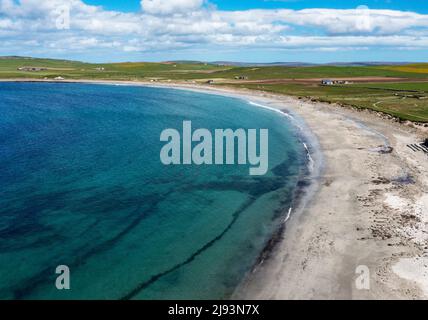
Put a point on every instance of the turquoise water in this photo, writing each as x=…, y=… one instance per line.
x=82, y=185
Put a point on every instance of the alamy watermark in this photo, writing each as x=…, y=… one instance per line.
x=362, y=282
x=225, y=146
x=62, y=17
x=62, y=282
x=363, y=21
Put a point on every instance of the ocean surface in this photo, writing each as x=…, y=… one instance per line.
x=82, y=185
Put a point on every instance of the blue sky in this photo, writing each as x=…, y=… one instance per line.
x=410, y=5
x=213, y=30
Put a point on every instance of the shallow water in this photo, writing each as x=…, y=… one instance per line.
x=81, y=184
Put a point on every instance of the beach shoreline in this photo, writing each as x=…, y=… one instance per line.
x=366, y=207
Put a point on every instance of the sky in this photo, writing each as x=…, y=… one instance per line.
x=216, y=30
x=417, y=6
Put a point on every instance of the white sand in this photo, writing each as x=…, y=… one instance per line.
x=414, y=270
x=395, y=202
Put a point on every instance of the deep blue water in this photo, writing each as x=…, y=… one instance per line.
x=82, y=185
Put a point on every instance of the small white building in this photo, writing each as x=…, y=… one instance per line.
x=327, y=82
x=34, y=69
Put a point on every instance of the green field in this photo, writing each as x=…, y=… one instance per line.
x=261, y=73
x=406, y=99
x=114, y=71
x=405, y=105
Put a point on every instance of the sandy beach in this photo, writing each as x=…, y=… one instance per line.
x=370, y=209
x=367, y=206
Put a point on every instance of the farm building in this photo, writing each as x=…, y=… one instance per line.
x=327, y=82
x=32, y=69
x=341, y=82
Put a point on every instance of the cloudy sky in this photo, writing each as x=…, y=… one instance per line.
x=210, y=30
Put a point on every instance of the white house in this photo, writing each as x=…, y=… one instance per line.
x=327, y=82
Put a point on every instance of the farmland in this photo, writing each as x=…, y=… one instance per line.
x=401, y=103
x=399, y=90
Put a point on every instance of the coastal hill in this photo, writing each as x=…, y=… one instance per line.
x=396, y=89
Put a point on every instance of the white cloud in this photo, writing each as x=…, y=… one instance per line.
x=357, y=21
x=170, y=6
x=185, y=24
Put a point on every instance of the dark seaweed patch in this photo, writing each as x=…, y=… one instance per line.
x=192, y=257
x=254, y=187
x=45, y=275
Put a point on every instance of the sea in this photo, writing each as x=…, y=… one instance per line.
x=82, y=186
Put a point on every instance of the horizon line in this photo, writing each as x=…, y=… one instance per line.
x=222, y=61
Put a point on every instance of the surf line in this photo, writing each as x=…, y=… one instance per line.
x=288, y=215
